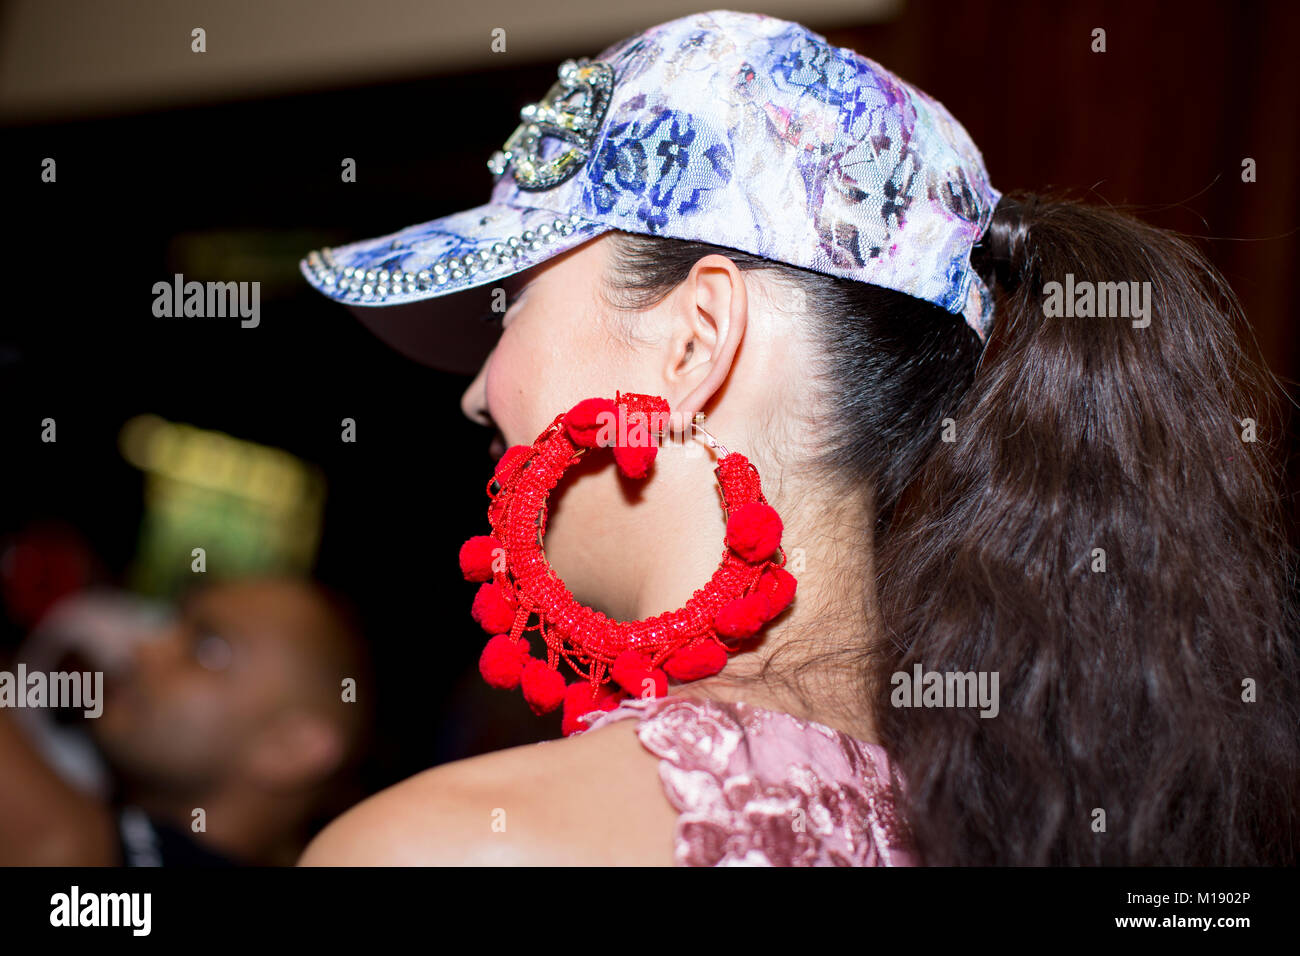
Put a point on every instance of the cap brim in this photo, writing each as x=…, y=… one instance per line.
x=389, y=282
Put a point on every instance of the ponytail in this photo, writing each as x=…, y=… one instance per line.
x=1102, y=531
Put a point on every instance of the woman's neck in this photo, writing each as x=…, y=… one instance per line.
x=808, y=662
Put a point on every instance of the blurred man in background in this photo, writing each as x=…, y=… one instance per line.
x=230, y=731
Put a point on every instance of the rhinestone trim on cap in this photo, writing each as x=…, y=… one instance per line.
x=379, y=285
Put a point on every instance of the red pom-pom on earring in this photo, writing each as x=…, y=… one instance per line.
x=514, y=455
x=543, y=687
x=697, y=661
x=476, y=556
x=743, y=616
x=578, y=700
x=658, y=679
x=754, y=531
x=502, y=661
x=628, y=669
x=778, y=586
x=635, y=460
x=631, y=670
x=585, y=420
x=493, y=608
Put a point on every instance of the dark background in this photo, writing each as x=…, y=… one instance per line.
x=241, y=190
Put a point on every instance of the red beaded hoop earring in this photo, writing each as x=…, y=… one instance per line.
x=746, y=591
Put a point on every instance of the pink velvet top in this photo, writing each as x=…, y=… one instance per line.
x=756, y=787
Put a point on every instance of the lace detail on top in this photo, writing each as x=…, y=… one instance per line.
x=757, y=787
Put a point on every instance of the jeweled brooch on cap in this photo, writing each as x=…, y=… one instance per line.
x=571, y=110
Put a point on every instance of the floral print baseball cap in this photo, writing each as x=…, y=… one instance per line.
x=736, y=129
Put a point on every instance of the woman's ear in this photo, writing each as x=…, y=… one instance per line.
x=709, y=315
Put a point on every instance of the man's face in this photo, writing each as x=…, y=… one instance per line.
x=200, y=690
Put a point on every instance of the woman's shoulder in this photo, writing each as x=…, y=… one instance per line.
x=593, y=798
x=691, y=781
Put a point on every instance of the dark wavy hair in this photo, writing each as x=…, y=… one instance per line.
x=1123, y=690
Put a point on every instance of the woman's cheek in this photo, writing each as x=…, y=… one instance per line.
x=508, y=387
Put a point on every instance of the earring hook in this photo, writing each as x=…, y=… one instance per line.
x=697, y=423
